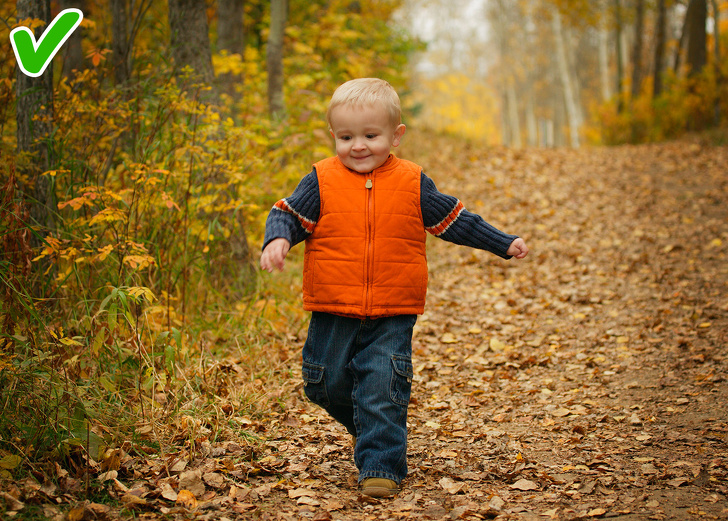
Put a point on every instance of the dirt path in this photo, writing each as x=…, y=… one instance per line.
x=589, y=381
x=586, y=382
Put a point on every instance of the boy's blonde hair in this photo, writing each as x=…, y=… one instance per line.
x=367, y=91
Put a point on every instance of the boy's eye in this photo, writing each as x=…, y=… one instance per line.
x=371, y=136
x=345, y=138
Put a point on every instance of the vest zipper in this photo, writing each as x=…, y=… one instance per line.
x=369, y=276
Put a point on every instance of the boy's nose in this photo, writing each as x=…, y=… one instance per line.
x=359, y=144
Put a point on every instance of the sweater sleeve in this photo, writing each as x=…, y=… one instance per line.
x=445, y=217
x=294, y=218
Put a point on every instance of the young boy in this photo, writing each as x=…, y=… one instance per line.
x=363, y=215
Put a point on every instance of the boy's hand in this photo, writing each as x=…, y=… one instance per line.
x=274, y=254
x=518, y=249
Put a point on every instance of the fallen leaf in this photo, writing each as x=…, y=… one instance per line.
x=111, y=460
x=168, y=492
x=132, y=500
x=322, y=515
x=75, y=514
x=307, y=500
x=106, y=476
x=11, y=503
x=262, y=490
x=496, y=345
x=333, y=505
x=496, y=503
x=186, y=499
x=301, y=492
x=596, y=512
x=448, y=338
x=214, y=479
x=10, y=462
x=524, y=484
x=451, y=486
x=191, y=480
x=178, y=466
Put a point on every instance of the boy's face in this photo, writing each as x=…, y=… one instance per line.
x=364, y=136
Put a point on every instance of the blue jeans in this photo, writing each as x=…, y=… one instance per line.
x=360, y=371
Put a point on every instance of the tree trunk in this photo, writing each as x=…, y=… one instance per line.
x=120, y=40
x=505, y=123
x=230, y=38
x=620, y=61
x=531, y=122
x=572, y=68
x=683, y=37
x=604, y=57
x=513, y=119
x=637, y=49
x=716, y=31
x=274, y=56
x=33, y=115
x=697, y=55
x=718, y=71
x=660, y=35
x=190, y=40
x=570, y=101
x=74, y=60
x=230, y=27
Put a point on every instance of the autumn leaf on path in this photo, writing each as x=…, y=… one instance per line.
x=451, y=486
x=586, y=381
x=525, y=484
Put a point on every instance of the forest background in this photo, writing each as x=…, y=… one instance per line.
x=139, y=168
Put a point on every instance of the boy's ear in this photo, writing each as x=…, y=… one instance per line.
x=398, y=134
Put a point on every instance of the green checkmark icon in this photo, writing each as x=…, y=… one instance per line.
x=33, y=57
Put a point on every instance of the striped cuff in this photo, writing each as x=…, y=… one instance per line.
x=443, y=225
x=306, y=223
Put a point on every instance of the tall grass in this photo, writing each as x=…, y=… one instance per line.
x=141, y=321
x=123, y=324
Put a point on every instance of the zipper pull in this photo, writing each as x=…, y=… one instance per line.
x=369, y=184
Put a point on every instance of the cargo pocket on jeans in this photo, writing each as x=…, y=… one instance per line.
x=401, y=385
x=313, y=383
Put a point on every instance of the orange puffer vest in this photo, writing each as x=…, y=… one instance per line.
x=366, y=256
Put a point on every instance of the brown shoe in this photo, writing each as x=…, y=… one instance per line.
x=379, y=487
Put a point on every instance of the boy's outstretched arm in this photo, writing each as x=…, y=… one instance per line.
x=444, y=216
x=518, y=249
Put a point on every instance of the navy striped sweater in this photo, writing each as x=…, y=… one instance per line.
x=294, y=218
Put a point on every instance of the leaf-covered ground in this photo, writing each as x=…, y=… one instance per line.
x=587, y=381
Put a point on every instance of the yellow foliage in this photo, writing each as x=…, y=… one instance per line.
x=456, y=104
x=161, y=194
x=686, y=104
